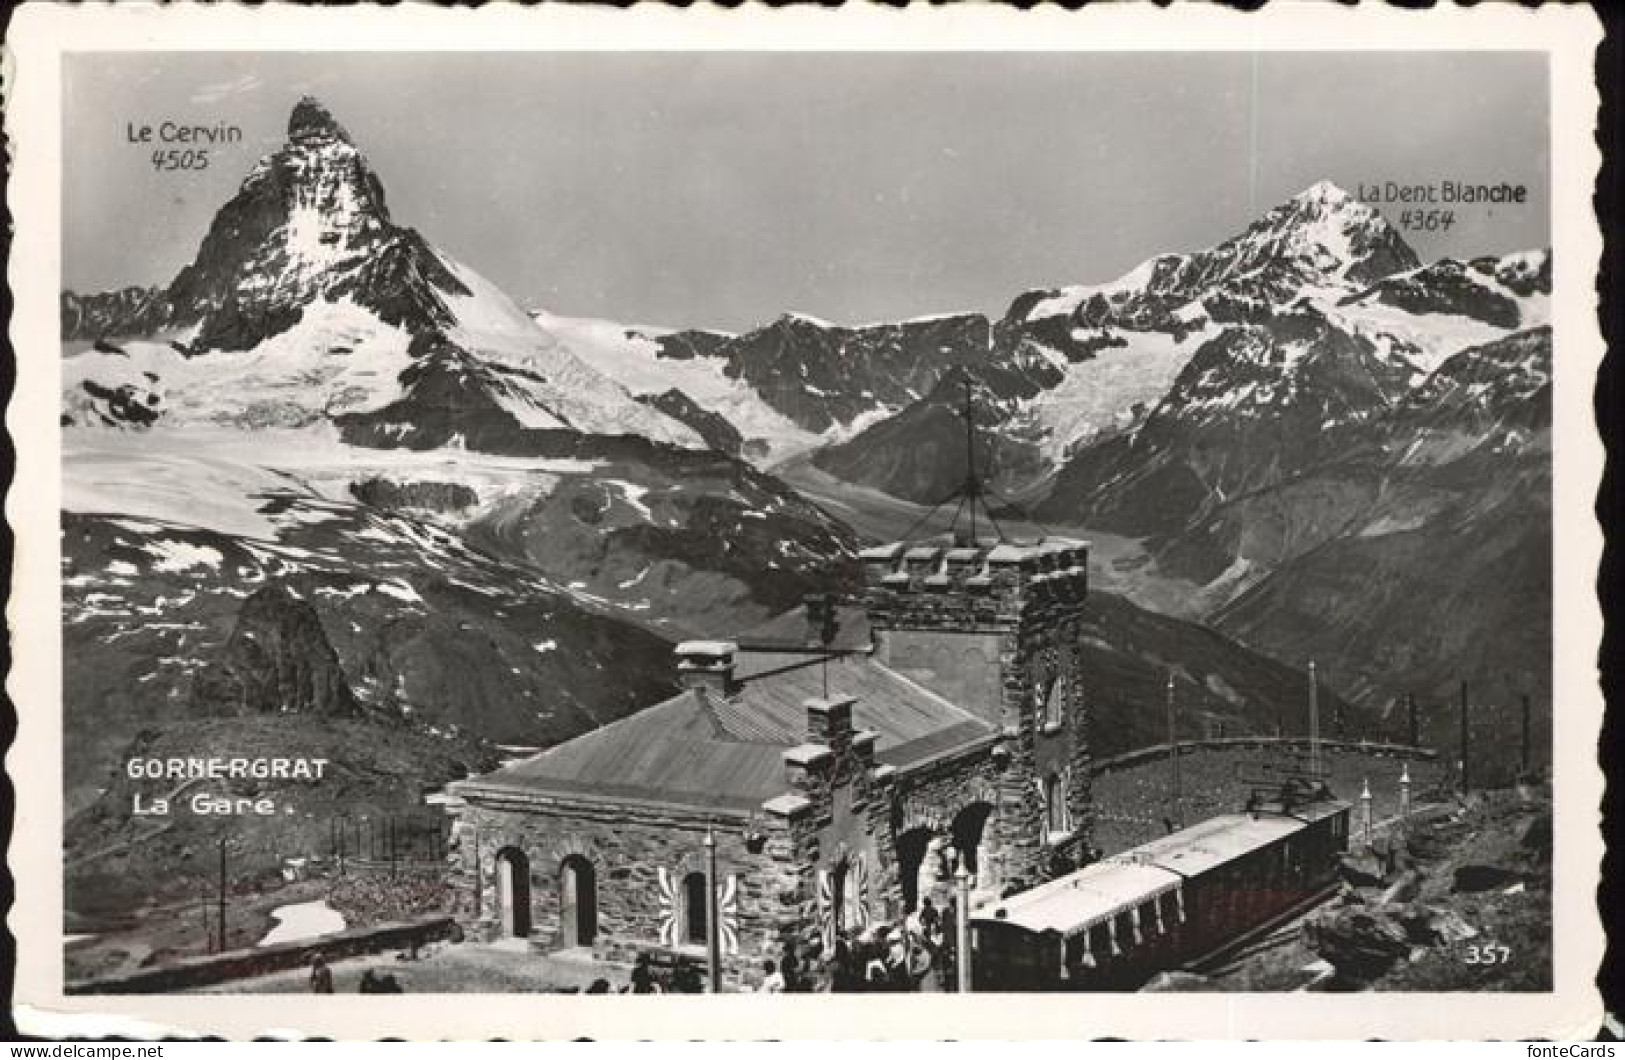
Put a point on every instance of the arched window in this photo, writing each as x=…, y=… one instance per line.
x=837, y=894
x=513, y=891
x=694, y=909
x=578, y=901
x=1055, y=703
x=1056, y=818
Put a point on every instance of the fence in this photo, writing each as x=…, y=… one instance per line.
x=1156, y=752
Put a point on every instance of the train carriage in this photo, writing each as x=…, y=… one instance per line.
x=1114, y=924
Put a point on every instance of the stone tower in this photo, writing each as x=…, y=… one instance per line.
x=995, y=628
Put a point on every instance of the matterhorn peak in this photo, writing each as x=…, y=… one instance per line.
x=312, y=122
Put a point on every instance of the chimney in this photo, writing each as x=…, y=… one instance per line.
x=829, y=722
x=707, y=664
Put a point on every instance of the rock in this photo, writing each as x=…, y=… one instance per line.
x=277, y=660
x=1471, y=879
x=1360, y=870
x=1404, y=889
x=714, y=428
x=1176, y=983
x=1360, y=943
x=1432, y=927
x=1537, y=837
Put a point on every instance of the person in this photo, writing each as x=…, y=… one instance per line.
x=321, y=977
x=369, y=983
x=643, y=979
x=873, y=954
x=929, y=919
x=686, y=979
x=790, y=968
x=898, y=971
x=772, y=981
x=842, y=977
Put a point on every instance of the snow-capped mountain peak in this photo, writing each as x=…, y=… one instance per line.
x=1328, y=232
x=1321, y=241
x=309, y=230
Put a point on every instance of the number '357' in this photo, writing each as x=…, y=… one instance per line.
x=1489, y=953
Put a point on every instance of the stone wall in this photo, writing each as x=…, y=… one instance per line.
x=1031, y=599
x=639, y=858
x=189, y=973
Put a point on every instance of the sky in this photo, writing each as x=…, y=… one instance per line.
x=723, y=189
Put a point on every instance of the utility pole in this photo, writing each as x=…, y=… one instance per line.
x=1464, y=737
x=1525, y=755
x=713, y=930
x=1173, y=756
x=1365, y=810
x=972, y=486
x=1314, y=723
x=962, y=927
x=1416, y=735
x=220, y=915
x=479, y=871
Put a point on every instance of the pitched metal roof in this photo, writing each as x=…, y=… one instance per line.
x=700, y=750
x=794, y=630
x=1078, y=901
x=1204, y=846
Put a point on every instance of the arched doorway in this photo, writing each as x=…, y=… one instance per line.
x=695, y=908
x=967, y=830
x=912, y=846
x=578, y=901
x=513, y=891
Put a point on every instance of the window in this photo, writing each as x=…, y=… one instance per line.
x=838, y=897
x=1055, y=813
x=1055, y=703
x=694, y=908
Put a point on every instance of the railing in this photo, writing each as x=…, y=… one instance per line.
x=1155, y=752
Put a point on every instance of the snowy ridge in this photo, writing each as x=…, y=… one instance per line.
x=557, y=388
x=1109, y=392
x=338, y=358
x=305, y=300
x=631, y=357
x=1322, y=240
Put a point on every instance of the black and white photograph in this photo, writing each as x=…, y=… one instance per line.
x=662, y=522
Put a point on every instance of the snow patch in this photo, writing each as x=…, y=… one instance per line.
x=176, y=556
x=306, y=920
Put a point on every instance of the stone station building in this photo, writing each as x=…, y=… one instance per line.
x=843, y=763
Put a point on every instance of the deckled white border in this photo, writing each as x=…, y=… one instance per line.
x=39, y=36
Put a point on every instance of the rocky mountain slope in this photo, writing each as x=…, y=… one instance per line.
x=1343, y=451
x=1420, y=557
x=310, y=313
x=307, y=297
x=920, y=454
x=331, y=480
